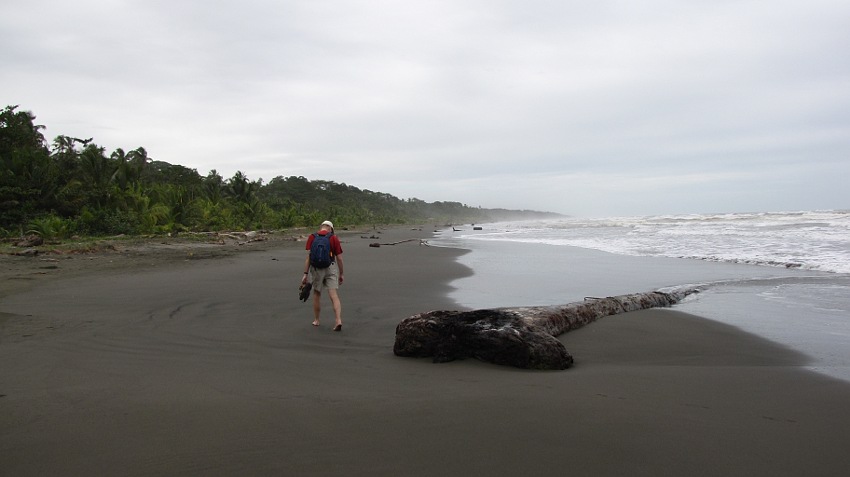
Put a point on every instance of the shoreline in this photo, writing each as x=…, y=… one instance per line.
x=211, y=367
x=791, y=307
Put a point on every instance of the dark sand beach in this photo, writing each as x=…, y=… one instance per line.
x=161, y=362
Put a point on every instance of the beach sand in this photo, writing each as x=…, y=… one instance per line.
x=161, y=363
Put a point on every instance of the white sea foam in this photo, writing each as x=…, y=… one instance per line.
x=818, y=240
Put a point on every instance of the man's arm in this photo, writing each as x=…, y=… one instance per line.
x=337, y=246
x=306, y=268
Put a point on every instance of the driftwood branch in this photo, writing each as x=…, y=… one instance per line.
x=521, y=336
x=241, y=238
x=421, y=242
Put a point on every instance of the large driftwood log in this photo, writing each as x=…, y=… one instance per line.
x=522, y=336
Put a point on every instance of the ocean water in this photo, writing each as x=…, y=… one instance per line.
x=784, y=276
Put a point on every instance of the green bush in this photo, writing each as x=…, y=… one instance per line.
x=51, y=227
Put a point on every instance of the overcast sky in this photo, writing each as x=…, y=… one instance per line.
x=590, y=108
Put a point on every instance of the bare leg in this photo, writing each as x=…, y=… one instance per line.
x=317, y=307
x=334, y=296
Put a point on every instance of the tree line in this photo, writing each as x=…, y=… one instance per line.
x=73, y=187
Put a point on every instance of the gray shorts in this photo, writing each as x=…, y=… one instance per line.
x=325, y=277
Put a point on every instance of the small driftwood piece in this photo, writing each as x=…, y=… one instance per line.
x=378, y=244
x=522, y=336
x=29, y=241
x=400, y=241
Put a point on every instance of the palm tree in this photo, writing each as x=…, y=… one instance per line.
x=213, y=185
x=97, y=171
x=138, y=159
x=128, y=166
x=121, y=176
x=178, y=199
x=241, y=189
x=147, y=216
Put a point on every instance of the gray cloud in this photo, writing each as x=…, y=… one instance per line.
x=602, y=108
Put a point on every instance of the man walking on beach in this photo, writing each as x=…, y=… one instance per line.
x=324, y=266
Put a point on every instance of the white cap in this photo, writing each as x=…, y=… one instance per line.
x=329, y=224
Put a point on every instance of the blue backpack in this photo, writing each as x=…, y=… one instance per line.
x=320, y=251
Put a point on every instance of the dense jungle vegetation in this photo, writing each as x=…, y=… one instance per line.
x=72, y=187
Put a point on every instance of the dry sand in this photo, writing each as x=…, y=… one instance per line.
x=152, y=362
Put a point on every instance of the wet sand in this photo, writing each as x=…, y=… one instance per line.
x=158, y=364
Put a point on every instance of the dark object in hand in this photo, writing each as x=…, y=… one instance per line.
x=304, y=291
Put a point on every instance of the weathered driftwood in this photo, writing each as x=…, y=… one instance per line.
x=378, y=244
x=30, y=241
x=241, y=238
x=522, y=336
